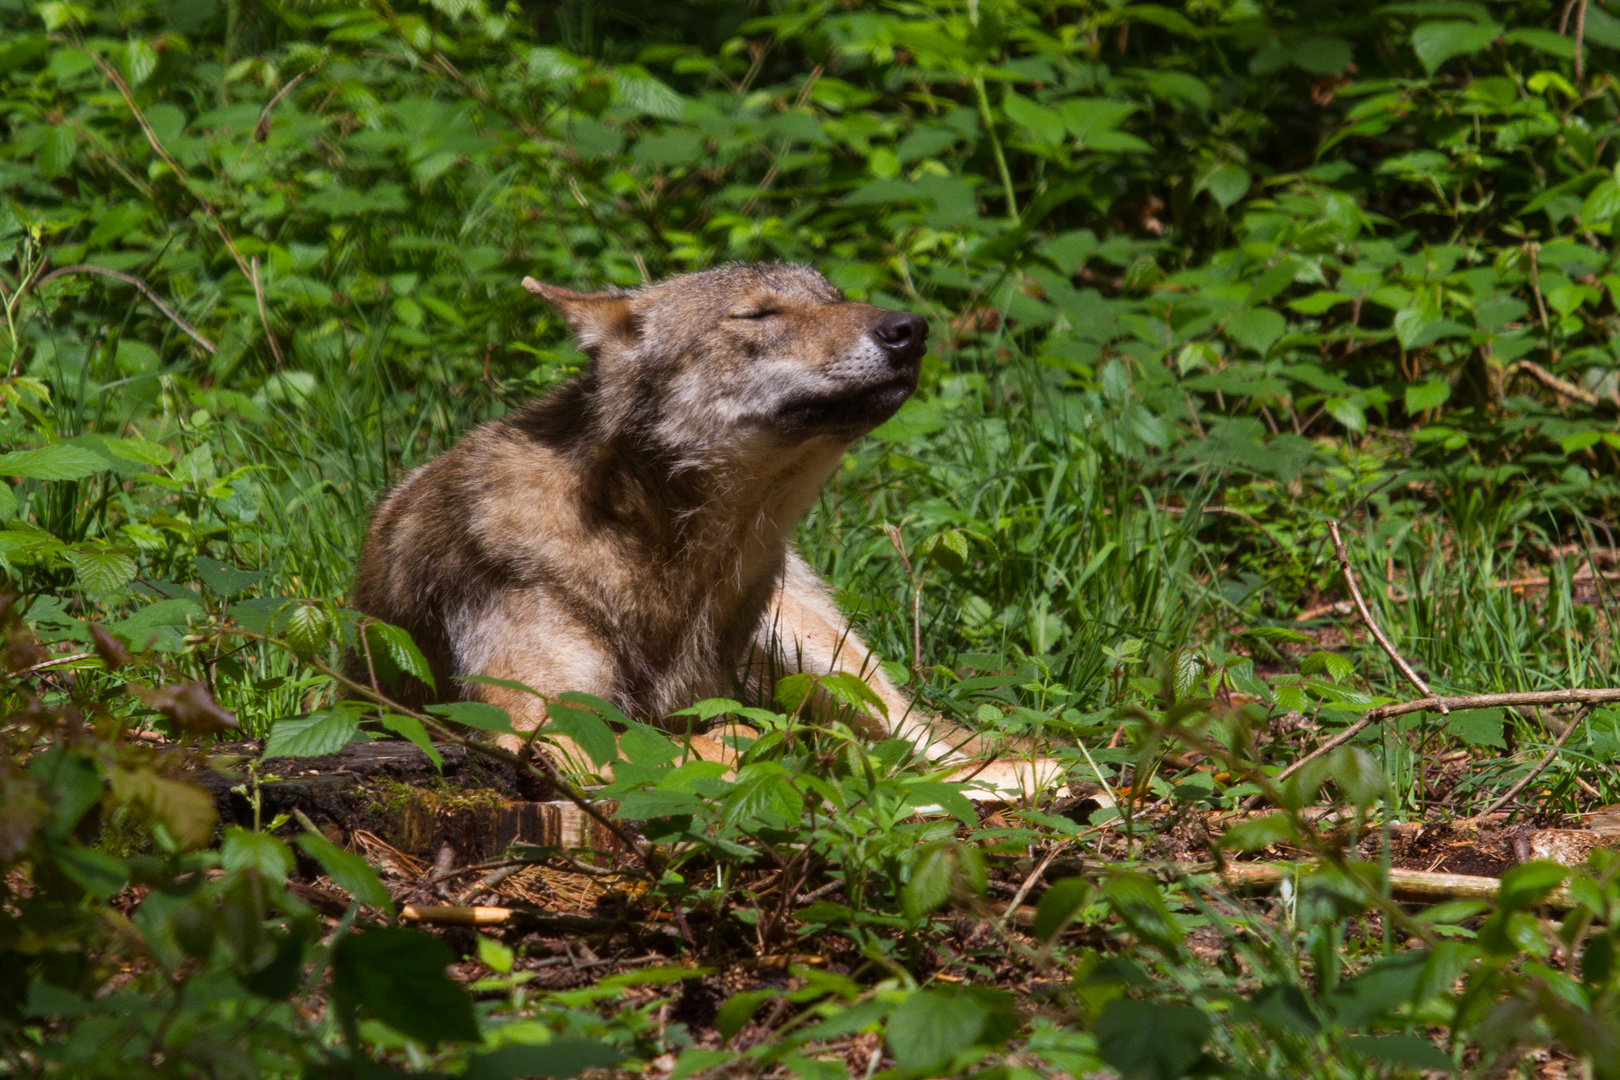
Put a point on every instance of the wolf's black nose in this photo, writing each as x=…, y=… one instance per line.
x=902, y=335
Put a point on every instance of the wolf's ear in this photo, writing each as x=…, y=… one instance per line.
x=597, y=319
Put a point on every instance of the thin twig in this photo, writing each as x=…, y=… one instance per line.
x=1546, y=759
x=264, y=316
x=55, y=661
x=1578, y=696
x=1367, y=618
x=141, y=287
x=1034, y=876
x=261, y=130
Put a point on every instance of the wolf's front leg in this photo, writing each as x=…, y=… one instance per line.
x=803, y=631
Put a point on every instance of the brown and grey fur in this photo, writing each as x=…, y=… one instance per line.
x=626, y=535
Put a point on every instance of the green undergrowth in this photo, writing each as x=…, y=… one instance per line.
x=1200, y=280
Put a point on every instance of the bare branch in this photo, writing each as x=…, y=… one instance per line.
x=1546, y=759
x=1367, y=618
x=141, y=287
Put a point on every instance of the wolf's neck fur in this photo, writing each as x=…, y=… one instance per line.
x=705, y=538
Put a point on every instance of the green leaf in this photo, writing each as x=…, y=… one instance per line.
x=225, y=579
x=930, y=883
x=1322, y=662
x=475, y=714
x=1136, y=899
x=244, y=849
x=930, y=1027
x=399, y=975
x=97, y=873
x=324, y=732
x=1529, y=883
x=1256, y=329
x=99, y=571
x=1059, y=906
x=1259, y=833
x=349, y=871
x=1477, y=727
x=395, y=644
x=1147, y=1041
x=584, y=726
x=1437, y=42
x=1045, y=124
x=310, y=629
x=738, y=1010
x=1410, y=1051
x=56, y=462
x=495, y=955
x=1187, y=668
x=1357, y=775
x=949, y=797
x=557, y=1058
x=411, y=728
x=1427, y=395
x=1227, y=184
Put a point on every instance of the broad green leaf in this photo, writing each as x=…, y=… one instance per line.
x=409, y=727
x=585, y=727
x=1437, y=42
x=1147, y=1041
x=475, y=714
x=1529, y=883
x=930, y=1027
x=1044, y=124
x=738, y=1010
x=96, y=872
x=244, y=849
x=1410, y=1051
x=1477, y=727
x=1322, y=662
x=1260, y=832
x=559, y=1059
x=1427, y=395
x=350, y=872
x=1226, y=183
x=930, y=883
x=100, y=571
x=398, y=974
x=56, y=462
x=1058, y=907
x=1136, y=899
x=319, y=733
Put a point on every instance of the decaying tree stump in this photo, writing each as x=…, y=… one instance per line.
x=390, y=788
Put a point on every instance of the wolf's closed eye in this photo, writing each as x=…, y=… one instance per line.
x=758, y=313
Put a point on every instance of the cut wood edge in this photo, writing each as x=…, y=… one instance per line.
x=455, y=915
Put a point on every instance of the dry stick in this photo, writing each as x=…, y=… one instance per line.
x=55, y=661
x=1600, y=696
x=1580, y=34
x=1546, y=759
x=1029, y=882
x=264, y=316
x=1367, y=619
x=261, y=130
x=1555, y=384
x=141, y=287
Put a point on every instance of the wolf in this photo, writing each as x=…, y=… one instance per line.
x=627, y=534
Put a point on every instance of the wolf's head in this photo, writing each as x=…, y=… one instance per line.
x=741, y=359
